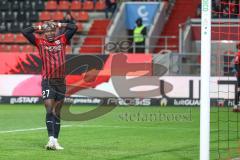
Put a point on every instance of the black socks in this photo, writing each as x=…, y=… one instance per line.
x=50, y=124
x=57, y=126
x=53, y=125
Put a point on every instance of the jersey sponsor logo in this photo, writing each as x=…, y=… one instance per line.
x=57, y=42
x=54, y=49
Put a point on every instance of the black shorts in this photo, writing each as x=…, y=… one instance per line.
x=53, y=89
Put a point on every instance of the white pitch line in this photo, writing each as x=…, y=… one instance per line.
x=130, y=127
x=30, y=129
x=96, y=126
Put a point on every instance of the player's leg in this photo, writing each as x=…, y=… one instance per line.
x=49, y=105
x=236, y=107
x=48, y=95
x=60, y=95
x=57, y=122
x=57, y=114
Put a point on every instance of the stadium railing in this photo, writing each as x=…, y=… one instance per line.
x=129, y=44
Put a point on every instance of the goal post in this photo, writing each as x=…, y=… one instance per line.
x=205, y=80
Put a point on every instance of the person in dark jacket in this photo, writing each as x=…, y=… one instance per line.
x=111, y=6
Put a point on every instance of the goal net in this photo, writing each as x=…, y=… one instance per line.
x=224, y=123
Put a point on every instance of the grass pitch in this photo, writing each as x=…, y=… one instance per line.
x=126, y=133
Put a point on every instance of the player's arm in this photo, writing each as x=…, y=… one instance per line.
x=70, y=29
x=28, y=33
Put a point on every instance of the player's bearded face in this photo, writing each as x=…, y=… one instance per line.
x=50, y=35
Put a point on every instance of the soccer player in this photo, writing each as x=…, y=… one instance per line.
x=52, y=52
x=236, y=107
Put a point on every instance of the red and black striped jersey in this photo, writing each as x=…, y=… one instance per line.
x=52, y=53
x=53, y=56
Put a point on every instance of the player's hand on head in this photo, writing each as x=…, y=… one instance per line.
x=52, y=24
x=45, y=26
x=49, y=25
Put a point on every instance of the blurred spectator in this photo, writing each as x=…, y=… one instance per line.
x=225, y=12
x=223, y=9
x=229, y=8
x=234, y=8
x=216, y=7
x=139, y=34
x=111, y=6
x=199, y=10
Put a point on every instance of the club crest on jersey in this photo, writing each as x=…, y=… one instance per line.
x=57, y=42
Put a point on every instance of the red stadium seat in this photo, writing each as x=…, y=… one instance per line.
x=76, y=5
x=7, y=48
x=88, y=5
x=14, y=48
x=51, y=5
x=83, y=16
x=80, y=16
x=74, y=15
x=76, y=39
x=63, y=5
x=3, y=48
x=9, y=38
x=27, y=48
x=57, y=16
x=100, y=6
x=1, y=37
x=20, y=38
x=80, y=26
x=45, y=16
x=68, y=49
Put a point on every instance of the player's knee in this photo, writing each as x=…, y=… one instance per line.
x=49, y=105
x=49, y=110
x=56, y=112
